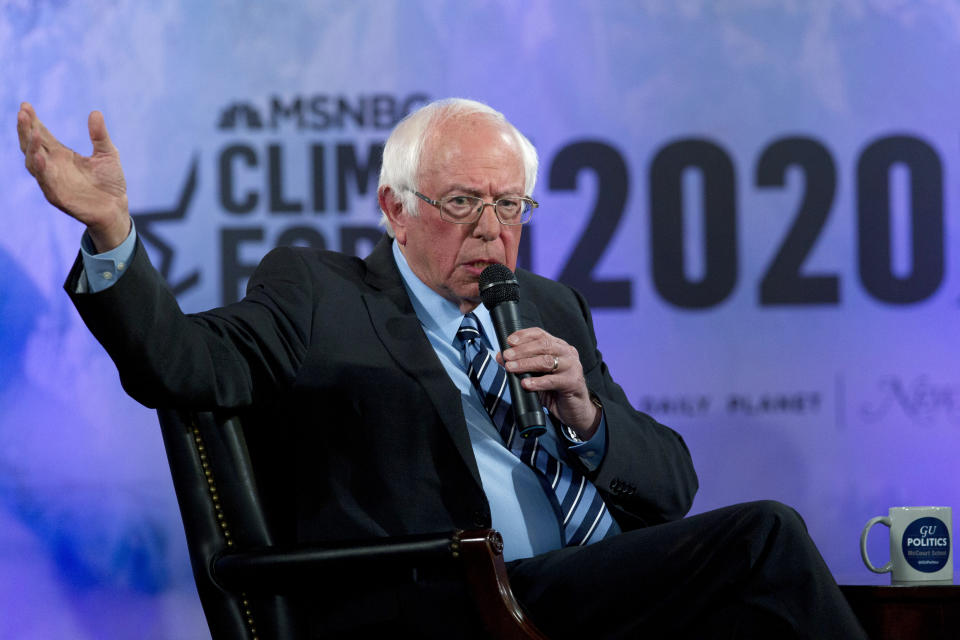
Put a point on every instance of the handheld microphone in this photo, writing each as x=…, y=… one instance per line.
x=500, y=293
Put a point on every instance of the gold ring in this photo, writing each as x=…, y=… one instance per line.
x=556, y=363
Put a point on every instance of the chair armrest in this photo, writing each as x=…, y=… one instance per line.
x=283, y=569
x=482, y=553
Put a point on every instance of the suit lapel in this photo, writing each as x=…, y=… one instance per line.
x=398, y=328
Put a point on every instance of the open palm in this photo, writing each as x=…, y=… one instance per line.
x=91, y=189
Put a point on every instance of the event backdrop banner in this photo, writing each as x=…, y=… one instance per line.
x=758, y=198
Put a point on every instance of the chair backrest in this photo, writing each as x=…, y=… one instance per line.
x=221, y=507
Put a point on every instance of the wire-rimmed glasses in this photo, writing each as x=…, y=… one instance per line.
x=463, y=209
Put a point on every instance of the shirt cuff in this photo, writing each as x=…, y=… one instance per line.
x=104, y=269
x=592, y=451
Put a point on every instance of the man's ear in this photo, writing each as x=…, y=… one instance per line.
x=392, y=205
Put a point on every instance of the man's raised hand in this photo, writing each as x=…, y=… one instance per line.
x=90, y=189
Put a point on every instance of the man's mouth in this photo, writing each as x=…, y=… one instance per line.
x=476, y=267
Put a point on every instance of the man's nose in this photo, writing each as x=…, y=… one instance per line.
x=487, y=226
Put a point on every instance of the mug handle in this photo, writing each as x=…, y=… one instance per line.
x=863, y=545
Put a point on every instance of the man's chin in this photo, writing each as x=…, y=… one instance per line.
x=469, y=289
x=468, y=298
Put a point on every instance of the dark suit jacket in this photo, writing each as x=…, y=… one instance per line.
x=330, y=346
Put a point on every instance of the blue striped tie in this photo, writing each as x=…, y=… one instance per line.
x=582, y=514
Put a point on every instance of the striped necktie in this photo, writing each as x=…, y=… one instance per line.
x=580, y=510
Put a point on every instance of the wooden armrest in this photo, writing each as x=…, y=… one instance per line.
x=482, y=555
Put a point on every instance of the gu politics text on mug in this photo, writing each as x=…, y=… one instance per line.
x=920, y=545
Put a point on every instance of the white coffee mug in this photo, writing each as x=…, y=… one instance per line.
x=920, y=545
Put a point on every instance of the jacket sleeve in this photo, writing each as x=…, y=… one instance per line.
x=647, y=475
x=229, y=357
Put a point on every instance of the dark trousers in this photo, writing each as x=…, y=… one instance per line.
x=745, y=571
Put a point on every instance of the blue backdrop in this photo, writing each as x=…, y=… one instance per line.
x=758, y=198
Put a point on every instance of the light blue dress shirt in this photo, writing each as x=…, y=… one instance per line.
x=519, y=508
x=103, y=269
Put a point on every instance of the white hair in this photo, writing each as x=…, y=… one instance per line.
x=404, y=148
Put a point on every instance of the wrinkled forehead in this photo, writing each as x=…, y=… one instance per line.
x=477, y=134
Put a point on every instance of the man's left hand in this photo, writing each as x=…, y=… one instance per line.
x=558, y=377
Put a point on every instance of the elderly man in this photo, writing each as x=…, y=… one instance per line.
x=384, y=371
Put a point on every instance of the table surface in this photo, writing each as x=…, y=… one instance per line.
x=887, y=612
x=904, y=592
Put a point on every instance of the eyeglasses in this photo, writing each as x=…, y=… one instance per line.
x=459, y=209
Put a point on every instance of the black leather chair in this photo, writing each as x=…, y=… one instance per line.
x=247, y=577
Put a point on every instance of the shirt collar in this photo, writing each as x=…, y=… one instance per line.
x=436, y=313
